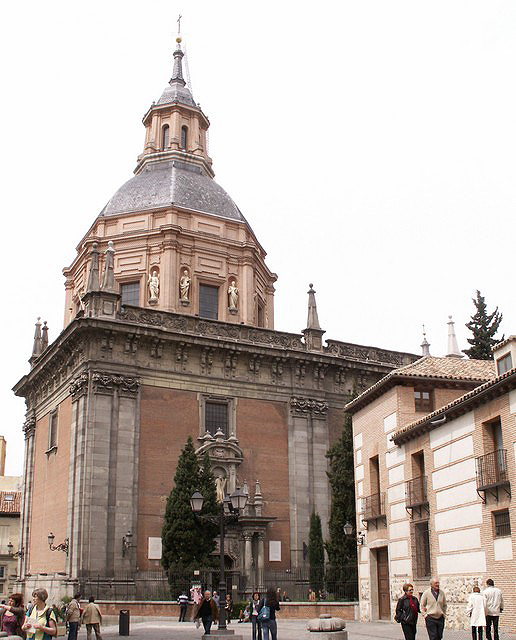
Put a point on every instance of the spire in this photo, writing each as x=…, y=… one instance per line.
x=93, y=277
x=108, y=282
x=313, y=320
x=177, y=91
x=453, y=347
x=44, y=338
x=177, y=72
x=37, y=347
x=425, y=345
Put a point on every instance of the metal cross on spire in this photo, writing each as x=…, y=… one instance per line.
x=179, y=24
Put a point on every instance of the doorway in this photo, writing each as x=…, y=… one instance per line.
x=382, y=568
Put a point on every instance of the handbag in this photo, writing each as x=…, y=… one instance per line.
x=265, y=613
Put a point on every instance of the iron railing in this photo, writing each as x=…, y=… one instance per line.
x=492, y=469
x=422, y=550
x=374, y=506
x=415, y=492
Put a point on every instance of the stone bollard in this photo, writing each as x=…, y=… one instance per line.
x=328, y=628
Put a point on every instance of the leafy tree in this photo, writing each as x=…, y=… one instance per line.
x=187, y=540
x=316, y=553
x=483, y=326
x=341, y=549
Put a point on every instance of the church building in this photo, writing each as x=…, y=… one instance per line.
x=169, y=333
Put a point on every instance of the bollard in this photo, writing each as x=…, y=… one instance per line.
x=123, y=622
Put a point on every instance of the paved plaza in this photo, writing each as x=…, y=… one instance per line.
x=167, y=629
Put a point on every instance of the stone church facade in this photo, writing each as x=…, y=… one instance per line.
x=169, y=333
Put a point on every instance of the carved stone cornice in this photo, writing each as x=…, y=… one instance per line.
x=308, y=406
x=29, y=426
x=107, y=383
x=371, y=355
x=79, y=385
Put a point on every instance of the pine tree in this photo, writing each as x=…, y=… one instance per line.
x=316, y=553
x=187, y=540
x=483, y=326
x=342, y=550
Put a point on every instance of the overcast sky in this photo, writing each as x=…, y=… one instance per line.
x=371, y=146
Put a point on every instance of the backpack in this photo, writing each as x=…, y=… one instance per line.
x=264, y=613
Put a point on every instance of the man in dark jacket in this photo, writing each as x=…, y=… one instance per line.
x=207, y=611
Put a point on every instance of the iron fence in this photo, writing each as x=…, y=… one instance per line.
x=492, y=469
x=415, y=492
x=374, y=506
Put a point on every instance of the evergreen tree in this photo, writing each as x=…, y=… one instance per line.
x=187, y=541
x=210, y=505
x=342, y=550
x=316, y=553
x=483, y=326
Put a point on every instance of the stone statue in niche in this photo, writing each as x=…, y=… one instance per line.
x=184, y=288
x=220, y=487
x=232, y=297
x=153, y=283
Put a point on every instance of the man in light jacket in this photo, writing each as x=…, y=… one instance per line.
x=433, y=607
x=92, y=618
x=494, y=600
x=73, y=616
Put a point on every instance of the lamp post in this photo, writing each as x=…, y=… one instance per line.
x=62, y=546
x=229, y=510
x=16, y=554
x=348, y=531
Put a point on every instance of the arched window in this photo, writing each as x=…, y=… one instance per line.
x=164, y=138
x=184, y=137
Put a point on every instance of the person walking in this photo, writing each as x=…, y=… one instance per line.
x=269, y=624
x=433, y=607
x=183, y=606
x=228, y=608
x=407, y=611
x=476, y=609
x=494, y=602
x=73, y=616
x=92, y=618
x=207, y=611
x=253, y=609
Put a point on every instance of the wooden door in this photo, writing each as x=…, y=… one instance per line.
x=382, y=566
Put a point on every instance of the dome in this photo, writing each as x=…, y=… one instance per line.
x=172, y=182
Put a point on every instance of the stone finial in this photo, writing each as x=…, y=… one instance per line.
x=177, y=72
x=37, y=347
x=44, y=337
x=453, y=347
x=425, y=345
x=93, y=277
x=108, y=281
x=219, y=435
x=313, y=320
x=258, y=499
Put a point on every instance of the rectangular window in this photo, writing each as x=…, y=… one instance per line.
x=421, y=546
x=130, y=292
x=52, y=430
x=216, y=417
x=504, y=364
x=208, y=301
x=9, y=497
x=502, y=524
x=260, y=319
x=423, y=400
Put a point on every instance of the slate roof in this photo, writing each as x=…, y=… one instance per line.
x=497, y=386
x=161, y=184
x=428, y=368
x=176, y=92
x=10, y=506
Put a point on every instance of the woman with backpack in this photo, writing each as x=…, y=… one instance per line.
x=267, y=615
x=41, y=623
x=407, y=611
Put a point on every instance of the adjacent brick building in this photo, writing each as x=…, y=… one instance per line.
x=169, y=333
x=435, y=449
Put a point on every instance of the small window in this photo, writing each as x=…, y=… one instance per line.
x=2, y=571
x=421, y=546
x=260, y=320
x=502, y=524
x=130, y=293
x=423, y=400
x=216, y=417
x=52, y=430
x=8, y=497
x=208, y=301
x=184, y=138
x=165, y=137
x=504, y=364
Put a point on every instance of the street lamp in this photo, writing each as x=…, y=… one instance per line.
x=63, y=546
x=127, y=543
x=348, y=531
x=16, y=554
x=228, y=512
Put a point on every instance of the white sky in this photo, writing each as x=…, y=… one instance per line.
x=371, y=145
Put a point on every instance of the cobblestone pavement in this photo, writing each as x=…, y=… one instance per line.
x=168, y=629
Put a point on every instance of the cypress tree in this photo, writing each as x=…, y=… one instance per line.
x=483, y=326
x=316, y=553
x=341, y=576
x=187, y=541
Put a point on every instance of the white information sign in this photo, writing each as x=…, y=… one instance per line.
x=154, y=552
x=274, y=550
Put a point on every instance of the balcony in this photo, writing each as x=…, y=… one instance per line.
x=492, y=475
x=416, y=497
x=374, y=510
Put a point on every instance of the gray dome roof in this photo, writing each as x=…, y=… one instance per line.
x=176, y=92
x=164, y=183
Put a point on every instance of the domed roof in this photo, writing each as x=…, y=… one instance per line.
x=172, y=182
